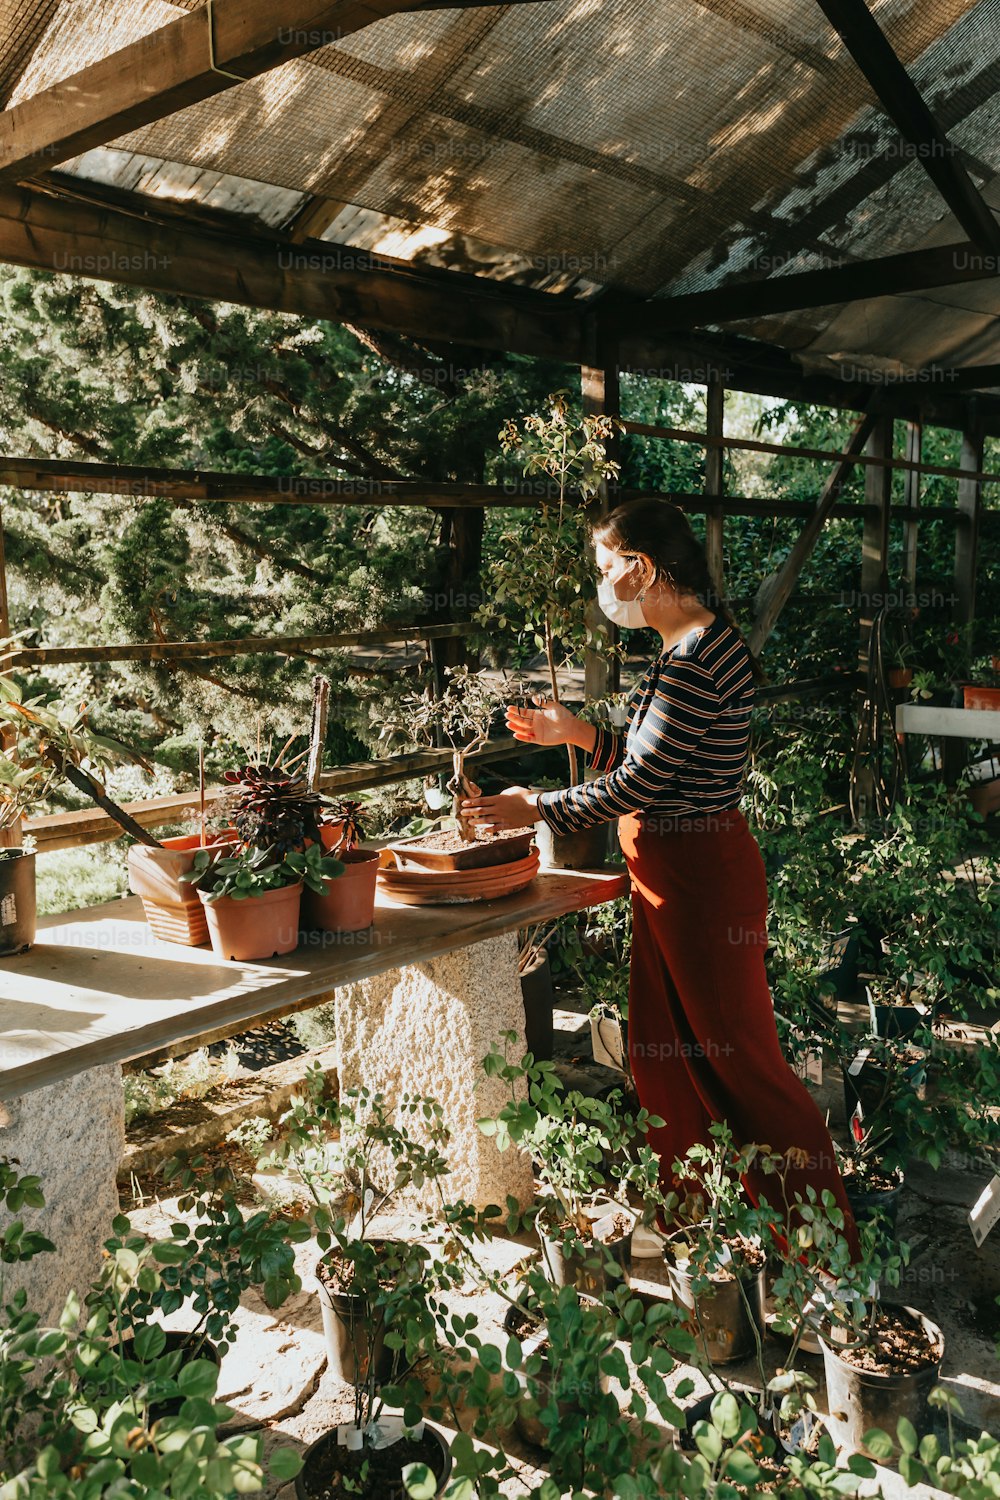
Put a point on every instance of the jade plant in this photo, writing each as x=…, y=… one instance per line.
x=544, y=573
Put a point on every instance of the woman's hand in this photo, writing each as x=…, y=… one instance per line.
x=515, y=808
x=547, y=723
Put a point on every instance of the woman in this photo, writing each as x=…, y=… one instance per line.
x=703, y=1044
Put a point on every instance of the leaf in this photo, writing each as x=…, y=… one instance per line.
x=906, y=1432
x=198, y=1379
x=879, y=1444
x=708, y=1441
x=420, y=1483
x=150, y=1342
x=726, y=1415
x=284, y=1464
x=741, y=1468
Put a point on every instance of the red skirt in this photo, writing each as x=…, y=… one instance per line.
x=703, y=1044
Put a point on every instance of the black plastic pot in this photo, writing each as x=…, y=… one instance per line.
x=592, y=1268
x=868, y=1086
x=17, y=901
x=859, y=1400
x=723, y=1319
x=538, y=997
x=313, y=1479
x=194, y=1346
x=895, y=1021
x=868, y=1203
x=840, y=976
x=345, y=1328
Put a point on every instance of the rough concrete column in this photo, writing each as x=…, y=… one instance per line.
x=72, y=1136
x=425, y=1029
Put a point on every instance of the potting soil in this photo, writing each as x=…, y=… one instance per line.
x=450, y=841
x=899, y=1346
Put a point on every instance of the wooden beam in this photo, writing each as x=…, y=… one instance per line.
x=10, y=838
x=970, y=498
x=251, y=645
x=789, y=450
x=886, y=276
x=70, y=830
x=601, y=393
x=320, y=279
x=200, y=54
x=911, y=526
x=903, y=103
x=715, y=426
x=74, y=476
x=775, y=596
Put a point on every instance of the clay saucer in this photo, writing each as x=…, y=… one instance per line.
x=449, y=887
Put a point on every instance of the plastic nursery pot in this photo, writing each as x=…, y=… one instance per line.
x=348, y=900
x=520, y=1325
x=723, y=1319
x=327, y=1465
x=173, y=910
x=874, y=1200
x=980, y=697
x=594, y=1267
x=192, y=1346
x=859, y=1399
x=17, y=902
x=586, y=850
x=537, y=994
x=894, y=1021
x=345, y=1328
x=254, y=927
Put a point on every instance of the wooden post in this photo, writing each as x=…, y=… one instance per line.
x=874, y=577
x=715, y=421
x=970, y=495
x=601, y=397
x=10, y=838
x=911, y=528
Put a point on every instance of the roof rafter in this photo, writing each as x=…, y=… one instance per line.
x=909, y=271
x=905, y=106
x=200, y=54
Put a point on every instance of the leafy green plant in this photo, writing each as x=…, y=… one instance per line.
x=252, y=872
x=544, y=575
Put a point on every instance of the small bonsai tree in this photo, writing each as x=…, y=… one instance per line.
x=544, y=575
x=463, y=712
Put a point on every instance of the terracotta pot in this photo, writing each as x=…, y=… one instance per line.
x=173, y=910
x=985, y=798
x=413, y=854
x=900, y=677
x=980, y=697
x=450, y=887
x=348, y=901
x=254, y=927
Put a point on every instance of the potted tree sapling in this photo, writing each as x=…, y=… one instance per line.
x=545, y=576
x=45, y=742
x=355, y=1157
x=457, y=860
x=584, y=1221
x=347, y=902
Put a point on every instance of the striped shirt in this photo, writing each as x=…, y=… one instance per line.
x=687, y=740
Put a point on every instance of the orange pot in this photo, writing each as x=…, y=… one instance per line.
x=348, y=902
x=173, y=911
x=980, y=697
x=254, y=927
x=900, y=677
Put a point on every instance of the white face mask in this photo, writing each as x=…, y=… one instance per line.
x=626, y=612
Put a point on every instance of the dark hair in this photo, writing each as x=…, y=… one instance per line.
x=662, y=532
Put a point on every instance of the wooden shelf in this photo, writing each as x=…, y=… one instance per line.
x=953, y=723
x=97, y=987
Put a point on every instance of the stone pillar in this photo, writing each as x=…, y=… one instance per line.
x=425, y=1029
x=71, y=1135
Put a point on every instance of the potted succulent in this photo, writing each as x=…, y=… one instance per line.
x=355, y=1156
x=347, y=902
x=44, y=743
x=584, y=1225
x=545, y=573
x=252, y=897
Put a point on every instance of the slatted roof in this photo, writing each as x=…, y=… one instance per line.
x=616, y=154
